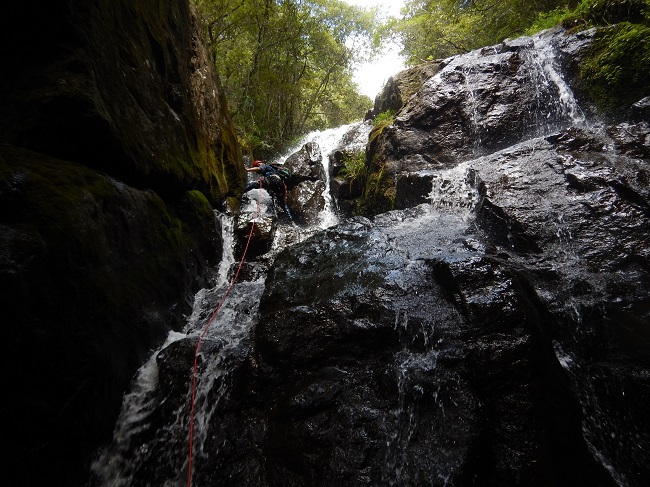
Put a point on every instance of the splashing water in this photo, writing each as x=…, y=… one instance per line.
x=556, y=105
x=228, y=243
x=352, y=136
x=455, y=190
x=138, y=439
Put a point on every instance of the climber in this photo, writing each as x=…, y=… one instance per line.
x=272, y=178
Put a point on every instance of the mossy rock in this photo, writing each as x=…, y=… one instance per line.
x=94, y=274
x=125, y=87
x=616, y=69
x=400, y=87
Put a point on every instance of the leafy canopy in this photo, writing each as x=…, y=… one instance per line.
x=286, y=65
x=433, y=29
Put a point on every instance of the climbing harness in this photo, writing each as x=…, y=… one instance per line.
x=205, y=330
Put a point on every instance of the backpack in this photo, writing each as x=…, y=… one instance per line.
x=284, y=174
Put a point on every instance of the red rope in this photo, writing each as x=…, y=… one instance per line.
x=205, y=330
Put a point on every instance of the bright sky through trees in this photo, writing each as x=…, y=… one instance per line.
x=372, y=76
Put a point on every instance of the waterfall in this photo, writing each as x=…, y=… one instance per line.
x=547, y=102
x=138, y=437
x=152, y=429
x=352, y=136
x=114, y=466
x=555, y=105
x=228, y=244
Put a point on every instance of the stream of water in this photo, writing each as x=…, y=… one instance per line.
x=136, y=440
x=144, y=436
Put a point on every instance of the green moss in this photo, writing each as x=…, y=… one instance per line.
x=118, y=247
x=384, y=119
x=616, y=70
x=379, y=193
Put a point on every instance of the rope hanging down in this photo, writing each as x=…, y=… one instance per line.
x=205, y=330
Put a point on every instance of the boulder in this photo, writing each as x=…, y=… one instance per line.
x=257, y=212
x=305, y=202
x=481, y=102
x=306, y=164
x=400, y=87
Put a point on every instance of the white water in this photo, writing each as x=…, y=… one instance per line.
x=455, y=191
x=329, y=141
x=554, y=97
x=136, y=439
x=231, y=329
x=228, y=244
x=113, y=467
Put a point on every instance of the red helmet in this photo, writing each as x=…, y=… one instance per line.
x=257, y=163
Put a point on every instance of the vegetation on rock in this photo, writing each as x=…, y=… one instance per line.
x=616, y=70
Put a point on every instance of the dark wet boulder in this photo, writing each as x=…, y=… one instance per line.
x=306, y=201
x=394, y=358
x=485, y=336
x=401, y=86
x=640, y=111
x=256, y=222
x=306, y=164
x=413, y=188
x=481, y=102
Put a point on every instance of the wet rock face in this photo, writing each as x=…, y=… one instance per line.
x=493, y=331
x=400, y=87
x=127, y=90
x=403, y=353
x=499, y=339
x=93, y=273
x=306, y=164
x=109, y=113
x=481, y=102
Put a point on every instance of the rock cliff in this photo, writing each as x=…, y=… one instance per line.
x=116, y=143
x=492, y=330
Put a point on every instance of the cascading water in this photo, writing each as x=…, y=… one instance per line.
x=555, y=105
x=147, y=431
x=419, y=347
x=153, y=426
x=549, y=103
x=353, y=137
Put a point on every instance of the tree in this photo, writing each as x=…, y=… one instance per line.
x=286, y=64
x=433, y=29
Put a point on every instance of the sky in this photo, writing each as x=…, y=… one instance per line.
x=371, y=77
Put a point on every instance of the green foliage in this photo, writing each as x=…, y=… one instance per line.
x=379, y=193
x=384, y=119
x=616, y=70
x=286, y=65
x=354, y=166
x=591, y=13
x=546, y=20
x=433, y=29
